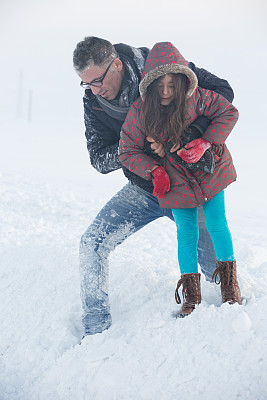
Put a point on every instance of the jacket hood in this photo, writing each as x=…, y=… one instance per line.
x=164, y=59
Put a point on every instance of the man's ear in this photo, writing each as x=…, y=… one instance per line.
x=118, y=64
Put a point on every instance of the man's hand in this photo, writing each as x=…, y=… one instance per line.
x=158, y=148
x=194, y=150
x=161, y=182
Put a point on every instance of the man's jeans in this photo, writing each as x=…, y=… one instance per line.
x=129, y=210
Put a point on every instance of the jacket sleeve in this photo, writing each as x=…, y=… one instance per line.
x=102, y=145
x=207, y=80
x=223, y=115
x=131, y=147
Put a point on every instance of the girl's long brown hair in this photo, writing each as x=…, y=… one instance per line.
x=157, y=119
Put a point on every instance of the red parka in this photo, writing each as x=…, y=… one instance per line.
x=188, y=189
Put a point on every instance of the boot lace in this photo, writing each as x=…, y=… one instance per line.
x=189, y=289
x=225, y=273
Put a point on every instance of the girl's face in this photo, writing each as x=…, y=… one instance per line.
x=166, y=89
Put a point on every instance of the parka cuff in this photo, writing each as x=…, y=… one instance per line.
x=148, y=174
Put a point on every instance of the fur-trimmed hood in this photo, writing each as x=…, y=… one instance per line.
x=164, y=59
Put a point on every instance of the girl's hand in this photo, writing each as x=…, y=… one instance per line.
x=161, y=182
x=194, y=150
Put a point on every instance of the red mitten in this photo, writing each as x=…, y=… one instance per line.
x=194, y=150
x=161, y=182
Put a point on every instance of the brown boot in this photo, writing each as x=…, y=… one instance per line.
x=191, y=293
x=229, y=286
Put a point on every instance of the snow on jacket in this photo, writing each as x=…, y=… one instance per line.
x=188, y=189
x=103, y=131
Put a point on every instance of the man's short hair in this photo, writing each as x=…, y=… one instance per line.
x=93, y=50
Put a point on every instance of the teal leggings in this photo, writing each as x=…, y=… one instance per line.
x=186, y=220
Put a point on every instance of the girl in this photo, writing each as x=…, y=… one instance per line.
x=195, y=170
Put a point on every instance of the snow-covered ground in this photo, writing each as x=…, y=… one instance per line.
x=48, y=198
x=49, y=195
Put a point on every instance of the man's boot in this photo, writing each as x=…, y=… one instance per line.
x=227, y=277
x=191, y=293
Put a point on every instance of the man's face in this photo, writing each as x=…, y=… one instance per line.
x=111, y=83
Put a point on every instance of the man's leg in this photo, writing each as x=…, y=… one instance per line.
x=127, y=212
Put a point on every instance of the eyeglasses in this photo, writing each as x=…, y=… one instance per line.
x=96, y=82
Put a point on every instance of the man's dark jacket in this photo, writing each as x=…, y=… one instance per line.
x=103, y=131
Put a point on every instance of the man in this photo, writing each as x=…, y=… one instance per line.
x=110, y=76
